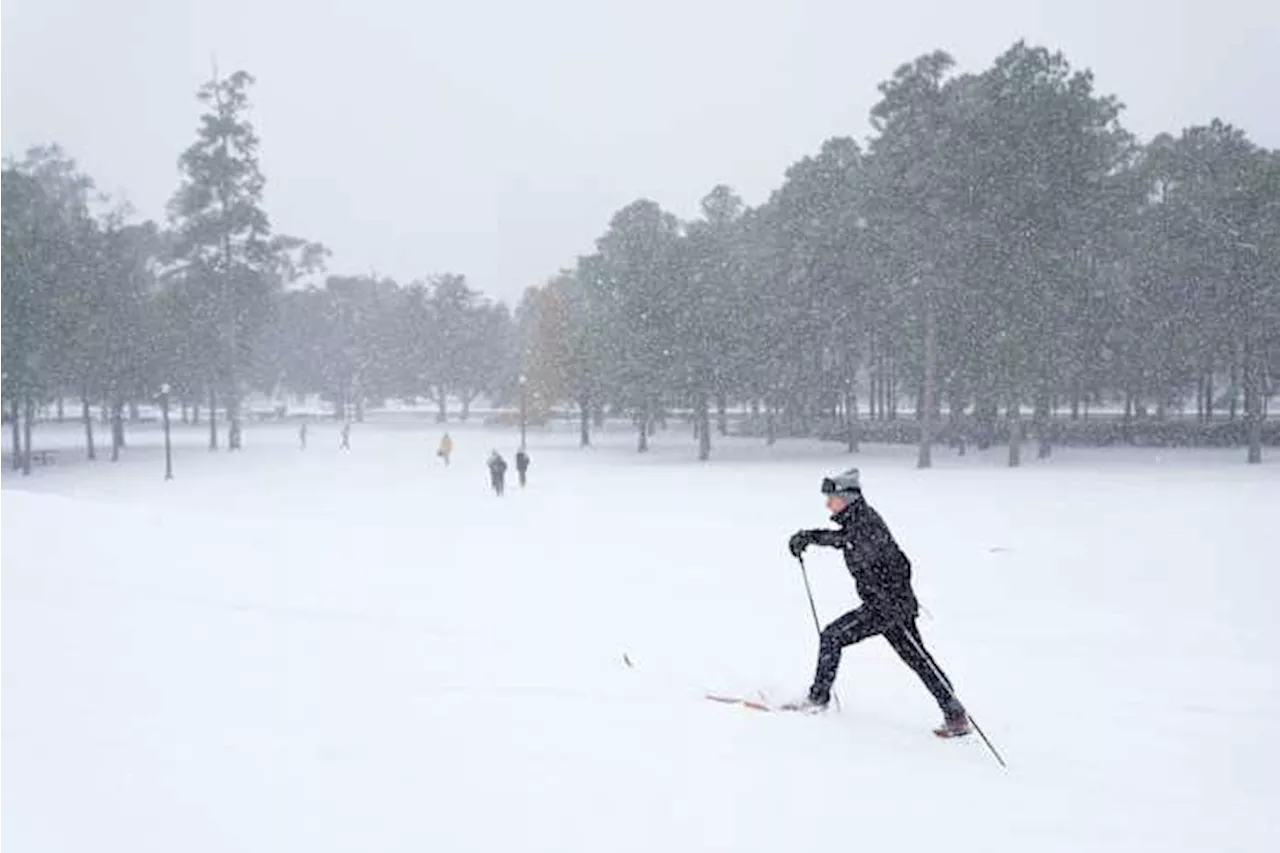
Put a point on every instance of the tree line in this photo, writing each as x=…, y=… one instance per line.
x=1000, y=242
x=214, y=304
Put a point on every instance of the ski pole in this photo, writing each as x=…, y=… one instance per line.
x=813, y=608
x=938, y=672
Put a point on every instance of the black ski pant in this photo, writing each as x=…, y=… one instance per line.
x=856, y=626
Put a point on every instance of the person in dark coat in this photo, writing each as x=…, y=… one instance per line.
x=345, y=443
x=522, y=465
x=497, y=472
x=882, y=576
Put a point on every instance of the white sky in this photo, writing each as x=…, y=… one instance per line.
x=495, y=139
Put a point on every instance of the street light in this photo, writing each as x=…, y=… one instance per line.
x=524, y=382
x=164, y=413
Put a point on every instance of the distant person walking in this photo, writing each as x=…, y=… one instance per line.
x=346, y=436
x=522, y=465
x=302, y=436
x=497, y=472
x=446, y=448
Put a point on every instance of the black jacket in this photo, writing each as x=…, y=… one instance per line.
x=881, y=572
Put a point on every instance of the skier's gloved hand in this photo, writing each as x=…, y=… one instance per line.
x=799, y=541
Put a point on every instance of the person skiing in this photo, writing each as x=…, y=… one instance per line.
x=345, y=443
x=497, y=472
x=445, y=449
x=522, y=465
x=882, y=575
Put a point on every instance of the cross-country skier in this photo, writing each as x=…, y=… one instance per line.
x=882, y=574
x=497, y=472
x=446, y=449
x=522, y=465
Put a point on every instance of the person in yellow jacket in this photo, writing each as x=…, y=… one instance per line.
x=446, y=448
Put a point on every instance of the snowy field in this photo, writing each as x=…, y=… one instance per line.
x=366, y=651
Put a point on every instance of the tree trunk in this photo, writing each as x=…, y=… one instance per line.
x=15, y=421
x=442, y=407
x=985, y=414
x=892, y=390
x=873, y=374
x=704, y=428
x=1235, y=384
x=1253, y=371
x=851, y=419
x=60, y=415
x=88, y=427
x=117, y=429
x=1044, y=426
x=771, y=426
x=642, y=422
x=195, y=413
x=957, y=439
x=881, y=413
x=29, y=416
x=134, y=417
x=722, y=413
x=1208, y=395
x=360, y=408
x=584, y=435
x=233, y=397
x=928, y=389
x=213, y=418
x=184, y=412
x=1015, y=434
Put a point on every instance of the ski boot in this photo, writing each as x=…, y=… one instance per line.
x=954, y=724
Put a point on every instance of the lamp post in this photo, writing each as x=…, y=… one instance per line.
x=524, y=383
x=164, y=414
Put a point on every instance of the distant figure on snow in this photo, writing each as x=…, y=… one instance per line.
x=497, y=472
x=346, y=436
x=446, y=448
x=302, y=435
x=522, y=465
x=882, y=575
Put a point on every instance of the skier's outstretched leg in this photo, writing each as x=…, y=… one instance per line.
x=853, y=627
x=900, y=636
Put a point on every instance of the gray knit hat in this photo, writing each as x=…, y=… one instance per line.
x=846, y=485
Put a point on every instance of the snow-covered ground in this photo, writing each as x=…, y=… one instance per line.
x=368, y=651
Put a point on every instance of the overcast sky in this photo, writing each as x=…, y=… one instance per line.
x=495, y=139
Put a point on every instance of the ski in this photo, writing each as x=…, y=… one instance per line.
x=739, y=700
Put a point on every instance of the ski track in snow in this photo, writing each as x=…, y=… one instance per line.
x=320, y=651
